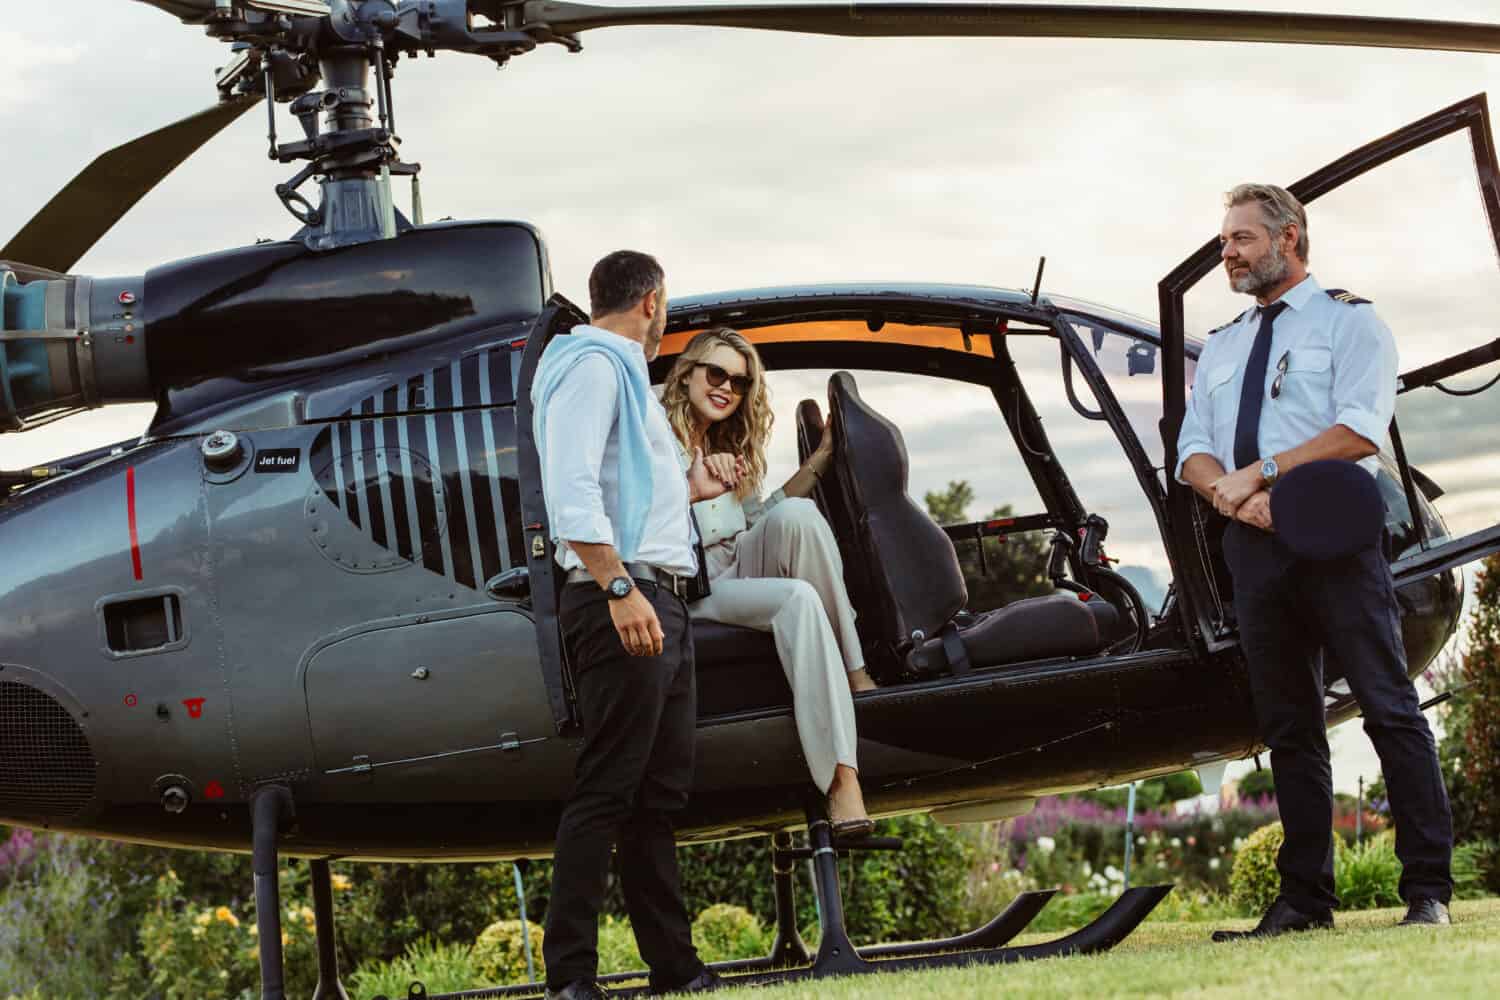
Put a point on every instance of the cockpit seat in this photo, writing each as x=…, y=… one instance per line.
x=903, y=574
x=737, y=669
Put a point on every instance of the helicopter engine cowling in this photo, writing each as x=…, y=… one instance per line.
x=67, y=344
x=226, y=326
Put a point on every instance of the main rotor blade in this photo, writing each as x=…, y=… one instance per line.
x=79, y=214
x=1017, y=20
x=188, y=11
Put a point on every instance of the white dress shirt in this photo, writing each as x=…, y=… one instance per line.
x=1341, y=369
x=581, y=467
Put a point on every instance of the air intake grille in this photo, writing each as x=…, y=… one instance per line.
x=46, y=765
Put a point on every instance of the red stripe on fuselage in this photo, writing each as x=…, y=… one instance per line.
x=135, y=540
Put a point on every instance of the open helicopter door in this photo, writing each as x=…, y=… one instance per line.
x=545, y=581
x=1430, y=550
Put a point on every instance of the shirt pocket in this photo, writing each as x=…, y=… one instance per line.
x=1218, y=378
x=1309, y=371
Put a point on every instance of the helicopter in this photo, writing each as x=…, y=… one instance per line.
x=312, y=611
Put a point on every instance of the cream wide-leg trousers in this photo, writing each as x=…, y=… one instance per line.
x=784, y=575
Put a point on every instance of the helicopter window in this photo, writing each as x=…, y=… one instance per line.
x=1131, y=365
x=143, y=624
x=1090, y=453
x=964, y=469
x=846, y=331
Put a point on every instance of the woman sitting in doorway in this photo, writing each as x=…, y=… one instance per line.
x=773, y=563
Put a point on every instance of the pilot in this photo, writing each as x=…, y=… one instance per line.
x=617, y=503
x=1307, y=378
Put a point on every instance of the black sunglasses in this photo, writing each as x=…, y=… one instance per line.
x=1281, y=367
x=717, y=376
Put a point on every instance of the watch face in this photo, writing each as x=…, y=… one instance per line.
x=620, y=586
x=1268, y=469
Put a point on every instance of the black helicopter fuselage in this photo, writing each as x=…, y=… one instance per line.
x=284, y=582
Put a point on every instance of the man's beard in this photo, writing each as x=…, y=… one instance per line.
x=1264, y=275
x=654, y=335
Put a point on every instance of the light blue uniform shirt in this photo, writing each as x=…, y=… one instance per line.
x=1341, y=369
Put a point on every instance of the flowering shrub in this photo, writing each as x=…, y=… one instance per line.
x=1053, y=843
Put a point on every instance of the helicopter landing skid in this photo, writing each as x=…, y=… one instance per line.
x=790, y=960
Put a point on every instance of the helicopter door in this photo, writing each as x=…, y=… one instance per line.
x=1427, y=549
x=557, y=317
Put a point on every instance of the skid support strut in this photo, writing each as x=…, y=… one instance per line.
x=788, y=948
x=270, y=807
x=329, y=987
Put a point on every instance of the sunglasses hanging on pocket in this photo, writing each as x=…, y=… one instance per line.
x=1281, y=367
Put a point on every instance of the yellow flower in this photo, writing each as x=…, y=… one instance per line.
x=308, y=917
x=286, y=939
x=203, y=919
x=341, y=883
x=226, y=916
x=197, y=932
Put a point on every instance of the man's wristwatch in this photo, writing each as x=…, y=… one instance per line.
x=1269, y=471
x=619, y=587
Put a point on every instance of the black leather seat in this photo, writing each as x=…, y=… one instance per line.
x=737, y=669
x=903, y=574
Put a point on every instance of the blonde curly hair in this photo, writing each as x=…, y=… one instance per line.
x=748, y=431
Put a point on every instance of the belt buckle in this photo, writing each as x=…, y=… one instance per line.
x=677, y=584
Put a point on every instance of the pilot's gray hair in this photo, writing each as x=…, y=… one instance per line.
x=1280, y=207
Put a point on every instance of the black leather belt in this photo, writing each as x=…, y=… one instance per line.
x=681, y=586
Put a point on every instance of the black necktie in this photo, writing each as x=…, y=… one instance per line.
x=1253, y=390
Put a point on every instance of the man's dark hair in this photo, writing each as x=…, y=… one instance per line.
x=621, y=280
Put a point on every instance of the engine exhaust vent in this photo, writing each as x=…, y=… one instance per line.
x=47, y=768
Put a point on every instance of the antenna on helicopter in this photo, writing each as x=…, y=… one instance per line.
x=1036, y=286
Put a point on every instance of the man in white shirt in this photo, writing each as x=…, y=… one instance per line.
x=617, y=505
x=1309, y=375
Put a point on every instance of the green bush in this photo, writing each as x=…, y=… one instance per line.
x=725, y=932
x=1476, y=868
x=617, y=949
x=1254, y=880
x=442, y=968
x=500, y=952
x=1366, y=876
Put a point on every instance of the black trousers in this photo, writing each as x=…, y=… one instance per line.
x=635, y=771
x=1289, y=611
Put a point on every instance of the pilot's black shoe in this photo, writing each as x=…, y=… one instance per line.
x=1281, y=918
x=1426, y=911
x=579, y=989
x=704, y=982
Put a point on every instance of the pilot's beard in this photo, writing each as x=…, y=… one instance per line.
x=1265, y=274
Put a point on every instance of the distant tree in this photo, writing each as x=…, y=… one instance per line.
x=1012, y=568
x=951, y=506
x=1481, y=759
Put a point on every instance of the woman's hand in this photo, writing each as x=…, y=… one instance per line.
x=703, y=483
x=726, y=468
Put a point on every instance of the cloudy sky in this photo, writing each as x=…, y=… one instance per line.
x=748, y=158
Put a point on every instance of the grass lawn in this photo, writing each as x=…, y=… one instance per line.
x=1365, y=957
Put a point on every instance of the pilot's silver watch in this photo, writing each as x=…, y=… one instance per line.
x=1269, y=471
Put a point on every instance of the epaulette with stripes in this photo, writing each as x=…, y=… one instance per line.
x=1229, y=324
x=1346, y=297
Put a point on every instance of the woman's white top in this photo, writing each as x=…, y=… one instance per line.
x=724, y=518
